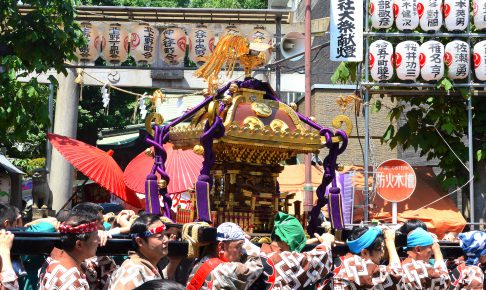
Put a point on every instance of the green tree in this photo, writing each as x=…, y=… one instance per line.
x=41, y=39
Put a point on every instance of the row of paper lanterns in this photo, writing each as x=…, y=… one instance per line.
x=411, y=60
x=115, y=41
x=428, y=14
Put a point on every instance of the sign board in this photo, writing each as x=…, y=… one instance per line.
x=395, y=180
x=347, y=30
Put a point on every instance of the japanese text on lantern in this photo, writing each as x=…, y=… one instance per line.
x=410, y=59
x=148, y=42
x=461, y=12
x=383, y=59
x=84, y=50
x=169, y=44
x=462, y=58
x=435, y=57
x=200, y=48
x=384, y=12
x=346, y=30
x=114, y=40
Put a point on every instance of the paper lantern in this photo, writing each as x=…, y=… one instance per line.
x=114, y=48
x=201, y=44
x=173, y=45
x=406, y=14
x=381, y=12
x=431, y=60
x=456, y=14
x=381, y=60
x=407, y=60
x=260, y=34
x=143, y=40
x=479, y=12
x=89, y=53
x=430, y=14
x=456, y=57
x=480, y=60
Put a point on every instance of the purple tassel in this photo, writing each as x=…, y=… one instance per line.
x=202, y=201
x=152, y=203
x=335, y=208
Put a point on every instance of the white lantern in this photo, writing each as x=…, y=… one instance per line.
x=89, y=53
x=407, y=60
x=201, y=44
x=456, y=14
x=430, y=14
x=142, y=43
x=480, y=60
x=479, y=12
x=381, y=60
x=173, y=45
x=456, y=58
x=431, y=60
x=260, y=34
x=115, y=43
x=406, y=14
x=381, y=12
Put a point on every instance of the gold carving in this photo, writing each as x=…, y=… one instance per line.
x=338, y=123
x=198, y=149
x=261, y=109
x=278, y=125
x=212, y=111
x=159, y=120
x=253, y=123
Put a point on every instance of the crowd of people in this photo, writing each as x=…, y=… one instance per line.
x=232, y=261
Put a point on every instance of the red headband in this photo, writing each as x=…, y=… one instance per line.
x=81, y=229
x=157, y=230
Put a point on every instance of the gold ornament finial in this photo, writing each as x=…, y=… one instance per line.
x=149, y=152
x=198, y=149
x=293, y=106
x=162, y=183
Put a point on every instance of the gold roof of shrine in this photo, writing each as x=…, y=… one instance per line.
x=257, y=130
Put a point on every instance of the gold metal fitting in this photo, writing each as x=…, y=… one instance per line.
x=149, y=152
x=228, y=100
x=312, y=118
x=198, y=149
x=293, y=106
x=162, y=183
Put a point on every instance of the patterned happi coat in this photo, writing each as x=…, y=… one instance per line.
x=421, y=275
x=98, y=271
x=233, y=275
x=466, y=277
x=8, y=280
x=132, y=273
x=354, y=272
x=62, y=276
x=285, y=270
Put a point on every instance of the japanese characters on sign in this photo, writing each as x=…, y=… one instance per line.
x=395, y=180
x=457, y=59
x=431, y=60
x=479, y=12
x=430, y=14
x=143, y=43
x=173, y=45
x=381, y=66
x=115, y=43
x=480, y=60
x=201, y=44
x=381, y=12
x=407, y=60
x=90, y=52
x=456, y=14
x=346, y=30
x=406, y=14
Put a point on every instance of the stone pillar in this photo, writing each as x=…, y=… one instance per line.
x=66, y=124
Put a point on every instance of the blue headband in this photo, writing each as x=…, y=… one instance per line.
x=419, y=237
x=363, y=242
